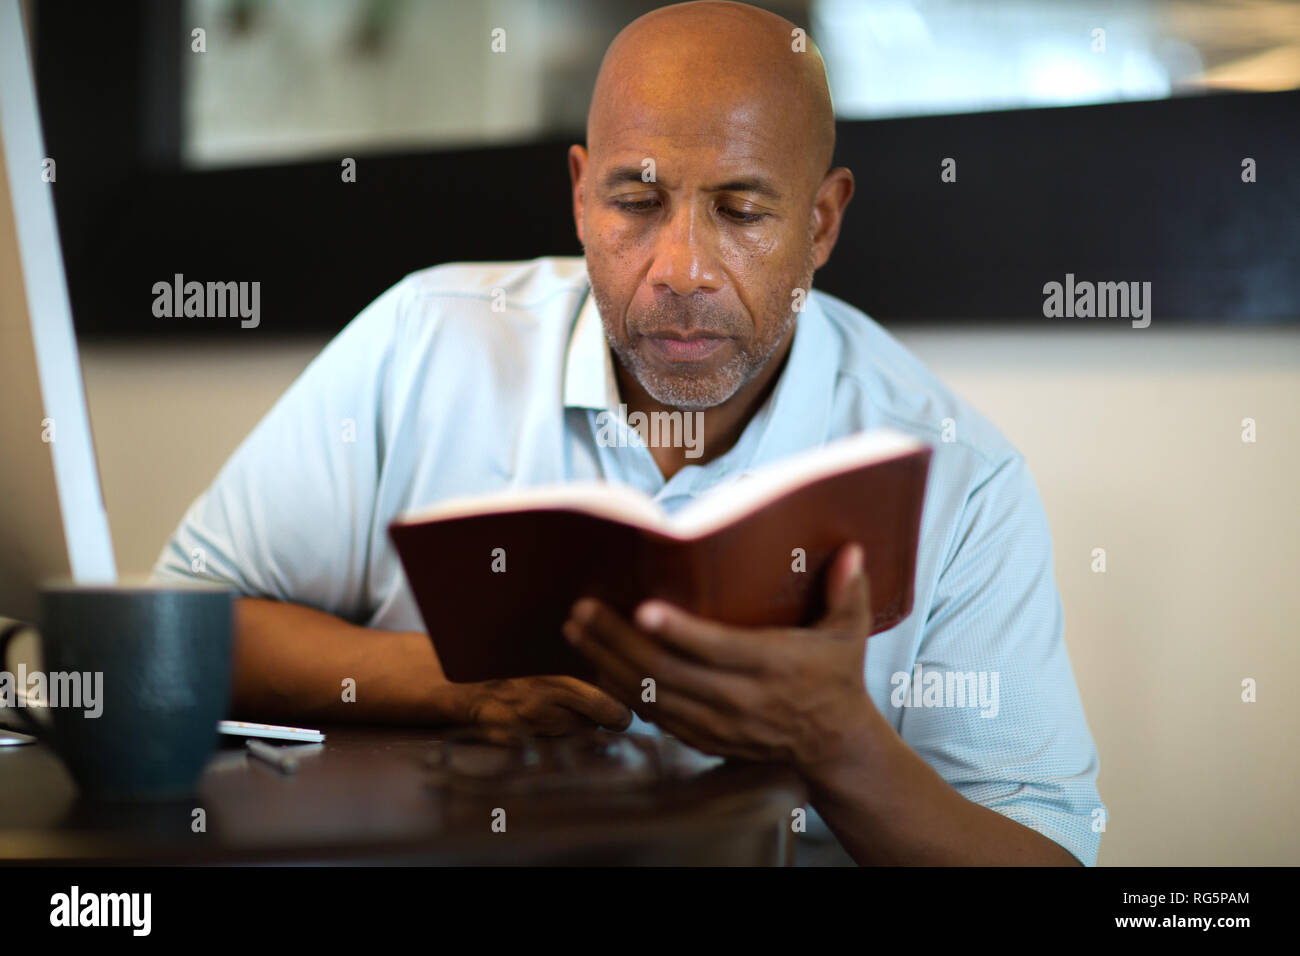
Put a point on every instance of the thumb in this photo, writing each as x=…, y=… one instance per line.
x=848, y=592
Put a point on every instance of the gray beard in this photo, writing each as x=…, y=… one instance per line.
x=689, y=394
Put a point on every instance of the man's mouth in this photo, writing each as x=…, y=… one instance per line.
x=687, y=346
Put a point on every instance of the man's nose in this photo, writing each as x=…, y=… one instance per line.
x=684, y=257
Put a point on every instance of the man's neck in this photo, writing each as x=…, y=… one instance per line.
x=719, y=428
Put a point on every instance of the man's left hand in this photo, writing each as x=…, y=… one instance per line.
x=785, y=694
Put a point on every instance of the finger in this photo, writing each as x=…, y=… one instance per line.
x=848, y=592
x=617, y=673
x=557, y=719
x=706, y=641
x=606, y=683
x=592, y=702
x=571, y=684
x=549, y=720
x=637, y=657
x=708, y=725
x=565, y=682
x=694, y=722
x=705, y=742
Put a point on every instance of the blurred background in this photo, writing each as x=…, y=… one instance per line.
x=1114, y=156
x=303, y=78
x=1102, y=139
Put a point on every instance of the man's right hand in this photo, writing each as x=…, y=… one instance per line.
x=291, y=663
x=548, y=706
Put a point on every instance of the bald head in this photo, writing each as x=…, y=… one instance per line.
x=722, y=59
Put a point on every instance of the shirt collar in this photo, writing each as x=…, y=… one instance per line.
x=795, y=417
x=589, y=380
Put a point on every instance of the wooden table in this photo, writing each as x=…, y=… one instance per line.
x=370, y=796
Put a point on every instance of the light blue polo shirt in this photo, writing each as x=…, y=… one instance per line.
x=468, y=378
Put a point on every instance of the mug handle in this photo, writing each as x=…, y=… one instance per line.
x=30, y=725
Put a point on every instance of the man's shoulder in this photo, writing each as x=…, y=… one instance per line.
x=463, y=309
x=524, y=285
x=480, y=324
x=904, y=393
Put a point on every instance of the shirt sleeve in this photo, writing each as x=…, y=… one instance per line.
x=996, y=628
x=290, y=515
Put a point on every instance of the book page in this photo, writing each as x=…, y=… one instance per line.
x=729, y=502
x=611, y=500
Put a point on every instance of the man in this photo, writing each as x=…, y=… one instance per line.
x=705, y=199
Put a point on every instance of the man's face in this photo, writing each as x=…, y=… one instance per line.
x=694, y=272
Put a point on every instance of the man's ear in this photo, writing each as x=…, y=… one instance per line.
x=578, y=174
x=832, y=198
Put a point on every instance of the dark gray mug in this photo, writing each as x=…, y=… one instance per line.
x=136, y=680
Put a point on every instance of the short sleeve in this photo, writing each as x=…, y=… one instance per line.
x=995, y=633
x=289, y=515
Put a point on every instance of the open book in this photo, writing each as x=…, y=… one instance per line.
x=495, y=575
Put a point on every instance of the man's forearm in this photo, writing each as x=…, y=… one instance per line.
x=290, y=663
x=888, y=806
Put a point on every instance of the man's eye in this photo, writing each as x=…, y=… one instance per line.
x=745, y=218
x=638, y=205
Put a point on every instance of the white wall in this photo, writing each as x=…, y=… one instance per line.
x=1134, y=438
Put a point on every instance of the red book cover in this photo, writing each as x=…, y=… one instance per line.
x=495, y=576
